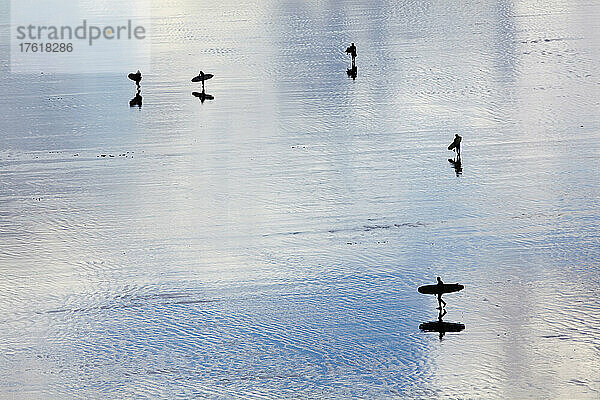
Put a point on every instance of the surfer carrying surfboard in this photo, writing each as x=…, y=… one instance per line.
x=455, y=145
x=202, y=77
x=352, y=51
x=439, y=289
x=137, y=77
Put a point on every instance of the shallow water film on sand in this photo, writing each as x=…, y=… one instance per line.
x=269, y=242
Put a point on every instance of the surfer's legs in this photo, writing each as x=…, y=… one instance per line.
x=440, y=301
x=441, y=314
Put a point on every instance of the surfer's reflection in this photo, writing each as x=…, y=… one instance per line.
x=440, y=326
x=457, y=164
x=352, y=72
x=137, y=100
x=202, y=96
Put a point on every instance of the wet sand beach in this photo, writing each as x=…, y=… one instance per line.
x=269, y=243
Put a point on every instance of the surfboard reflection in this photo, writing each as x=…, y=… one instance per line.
x=202, y=96
x=440, y=326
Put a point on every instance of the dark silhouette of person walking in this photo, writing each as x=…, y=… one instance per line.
x=137, y=77
x=202, y=77
x=439, y=293
x=137, y=100
x=352, y=51
x=455, y=145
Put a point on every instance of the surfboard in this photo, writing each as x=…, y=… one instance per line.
x=135, y=77
x=201, y=78
x=440, y=289
x=455, y=143
x=441, y=326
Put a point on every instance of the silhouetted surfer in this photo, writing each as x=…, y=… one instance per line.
x=455, y=145
x=439, y=294
x=352, y=51
x=439, y=289
x=202, y=77
x=137, y=100
x=137, y=77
